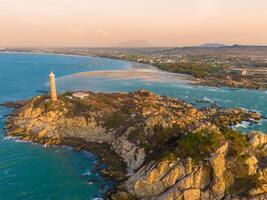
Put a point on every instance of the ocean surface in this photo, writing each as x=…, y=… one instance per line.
x=30, y=171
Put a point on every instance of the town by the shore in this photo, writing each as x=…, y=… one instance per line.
x=234, y=66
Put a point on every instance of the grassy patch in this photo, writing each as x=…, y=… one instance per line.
x=79, y=108
x=115, y=120
x=236, y=137
x=238, y=141
x=199, y=145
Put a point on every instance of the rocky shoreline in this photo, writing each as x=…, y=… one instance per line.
x=116, y=168
x=156, y=147
x=245, y=83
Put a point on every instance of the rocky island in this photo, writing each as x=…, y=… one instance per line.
x=156, y=147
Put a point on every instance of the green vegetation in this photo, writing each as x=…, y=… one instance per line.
x=38, y=100
x=115, y=120
x=199, y=70
x=156, y=144
x=48, y=106
x=242, y=185
x=137, y=135
x=237, y=139
x=79, y=108
x=162, y=136
x=199, y=145
x=170, y=156
x=67, y=93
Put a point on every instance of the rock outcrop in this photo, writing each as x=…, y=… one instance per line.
x=257, y=139
x=166, y=148
x=217, y=163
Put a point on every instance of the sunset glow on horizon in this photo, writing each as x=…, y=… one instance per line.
x=103, y=23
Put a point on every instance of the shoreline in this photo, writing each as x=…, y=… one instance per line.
x=37, y=121
x=115, y=169
x=194, y=80
x=133, y=64
x=102, y=153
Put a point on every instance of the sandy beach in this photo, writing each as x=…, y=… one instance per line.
x=137, y=72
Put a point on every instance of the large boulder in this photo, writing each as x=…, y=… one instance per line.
x=252, y=162
x=191, y=194
x=217, y=162
x=258, y=190
x=257, y=139
x=157, y=179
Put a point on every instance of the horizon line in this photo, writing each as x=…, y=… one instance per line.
x=129, y=47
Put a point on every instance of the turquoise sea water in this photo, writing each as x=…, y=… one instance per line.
x=29, y=171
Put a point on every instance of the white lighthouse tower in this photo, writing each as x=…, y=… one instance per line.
x=53, y=90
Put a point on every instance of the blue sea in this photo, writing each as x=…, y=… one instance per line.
x=30, y=171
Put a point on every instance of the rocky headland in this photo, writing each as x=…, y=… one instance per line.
x=156, y=147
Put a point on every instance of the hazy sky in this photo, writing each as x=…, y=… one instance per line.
x=107, y=22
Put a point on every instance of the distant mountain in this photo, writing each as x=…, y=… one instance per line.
x=248, y=46
x=133, y=44
x=213, y=45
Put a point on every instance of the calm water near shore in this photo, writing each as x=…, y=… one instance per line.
x=29, y=171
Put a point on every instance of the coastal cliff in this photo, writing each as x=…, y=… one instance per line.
x=156, y=147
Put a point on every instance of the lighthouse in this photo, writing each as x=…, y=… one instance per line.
x=53, y=90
